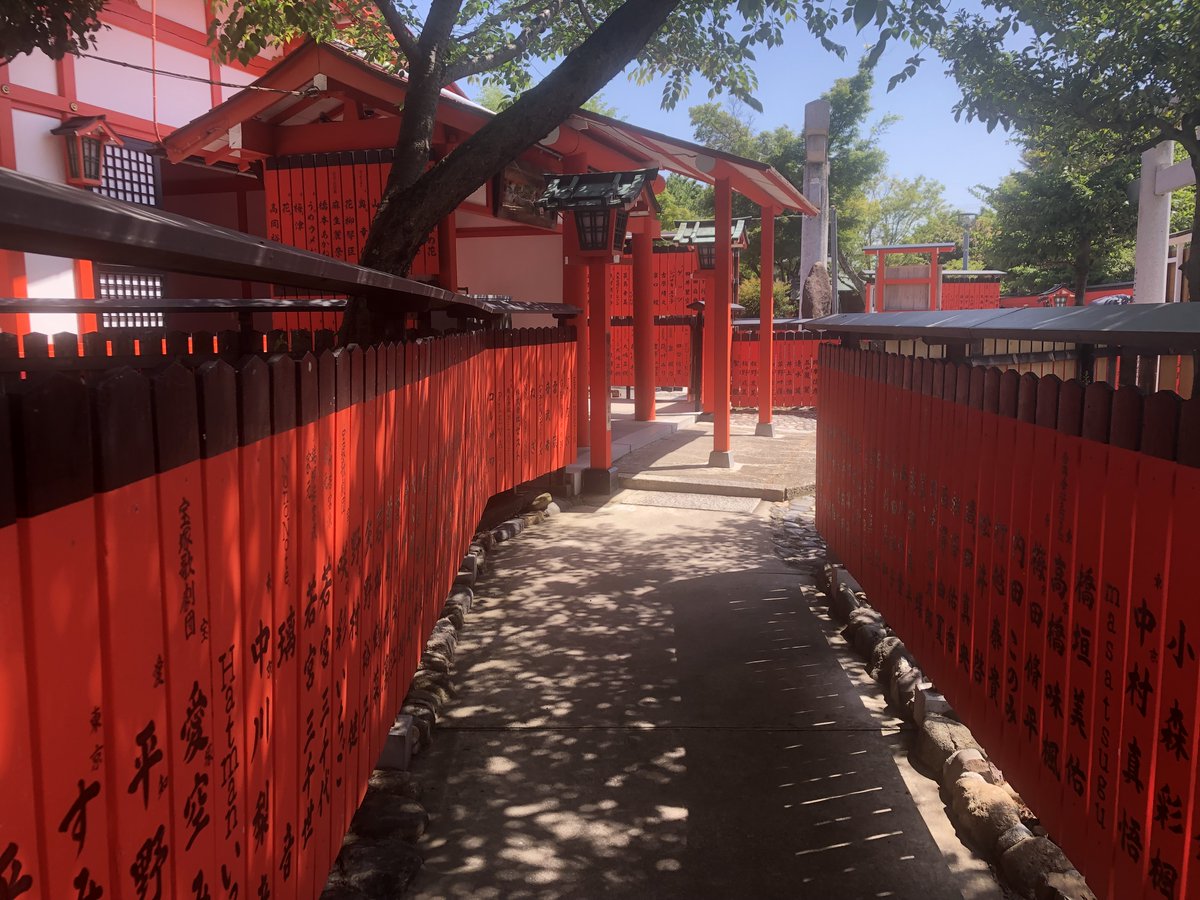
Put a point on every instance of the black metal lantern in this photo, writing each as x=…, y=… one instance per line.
x=702, y=235
x=600, y=203
x=593, y=227
x=84, y=140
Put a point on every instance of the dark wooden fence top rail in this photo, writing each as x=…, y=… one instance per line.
x=38, y=216
x=1158, y=327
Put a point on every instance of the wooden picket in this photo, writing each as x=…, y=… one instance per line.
x=1027, y=539
x=221, y=578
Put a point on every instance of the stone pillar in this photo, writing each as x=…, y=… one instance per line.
x=814, y=235
x=1153, y=228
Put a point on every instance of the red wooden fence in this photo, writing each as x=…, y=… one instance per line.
x=795, y=369
x=1028, y=538
x=220, y=581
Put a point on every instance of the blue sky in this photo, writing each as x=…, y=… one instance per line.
x=926, y=141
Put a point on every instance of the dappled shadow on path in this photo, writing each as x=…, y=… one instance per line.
x=648, y=708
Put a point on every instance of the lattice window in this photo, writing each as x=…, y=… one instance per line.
x=120, y=284
x=130, y=175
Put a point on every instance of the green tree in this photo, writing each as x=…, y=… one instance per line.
x=1107, y=78
x=497, y=99
x=856, y=160
x=683, y=199
x=440, y=42
x=1052, y=224
x=907, y=210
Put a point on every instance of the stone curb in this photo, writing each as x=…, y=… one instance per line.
x=378, y=859
x=982, y=806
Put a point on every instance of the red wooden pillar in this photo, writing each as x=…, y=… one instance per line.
x=766, y=327
x=708, y=364
x=447, y=233
x=880, y=275
x=600, y=477
x=722, y=326
x=575, y=292
x=643, y=323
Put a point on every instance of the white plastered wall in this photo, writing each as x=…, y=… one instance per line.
x=40, y=153
x=526, y=267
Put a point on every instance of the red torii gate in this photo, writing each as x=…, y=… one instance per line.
x=932, y=279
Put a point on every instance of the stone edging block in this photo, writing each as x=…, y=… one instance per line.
x=982, y=806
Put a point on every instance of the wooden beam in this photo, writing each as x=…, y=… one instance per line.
x=39, y=216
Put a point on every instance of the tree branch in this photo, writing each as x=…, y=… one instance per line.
x=505, y=14
x=404, y=39
x=443, y=14
x=510, y=51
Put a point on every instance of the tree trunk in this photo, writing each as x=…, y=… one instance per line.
x=410, y=211
x=1083, y=268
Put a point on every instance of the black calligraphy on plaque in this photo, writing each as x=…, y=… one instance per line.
x=229, y=761
x=1144, y=621
x=187, y=569
x=147, y=866
x=1179, y=645
x=1130, y=830
x=1132, y=773
x=1074, y=774
x=192, y=732
x=1081, y=643
x=12, y=883
x=74, y=823
x=195, y=808
x=86, y=887
x=1163, y=876
x=1138, y=688
x=149, y=756
x=1173, y=736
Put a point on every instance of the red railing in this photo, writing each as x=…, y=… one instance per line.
x=219, y=583
x=1030, y=540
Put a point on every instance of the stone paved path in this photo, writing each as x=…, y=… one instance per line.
x=649, y=707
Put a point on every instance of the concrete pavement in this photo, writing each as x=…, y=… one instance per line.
x=649, y=708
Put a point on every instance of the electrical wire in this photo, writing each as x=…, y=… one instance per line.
x=154, y=71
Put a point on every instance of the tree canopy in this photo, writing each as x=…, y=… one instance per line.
x=856, y=162
x=585, y=43
x=1099, y=80
x=1056, y=225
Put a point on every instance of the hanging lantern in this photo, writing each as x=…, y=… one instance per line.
x=703, y=236
x=84, y=139
x=593, y=227
x=601, y=203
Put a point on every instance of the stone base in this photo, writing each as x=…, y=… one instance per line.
x=704, y=417
x=600, y=481
x=764, y=429
x=720, y=459
x=397, y=750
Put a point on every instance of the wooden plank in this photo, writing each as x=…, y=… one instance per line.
x=191, y=700
x=20, y=842
x=258, y=618
x=74, y=736
x=222, y=512
x=286, y=499
x=135, y=704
